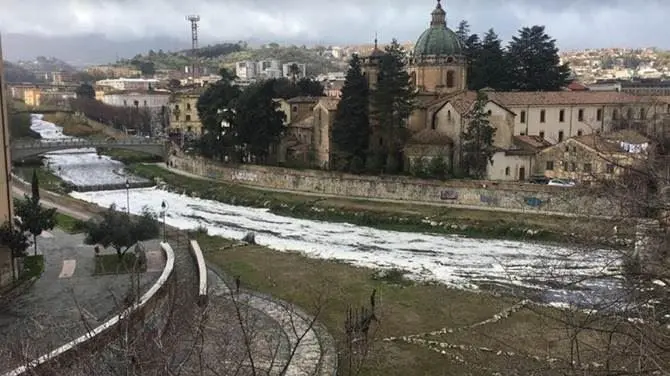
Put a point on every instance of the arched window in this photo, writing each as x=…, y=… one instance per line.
x=450, y=79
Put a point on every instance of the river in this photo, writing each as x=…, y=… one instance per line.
x=548, y=272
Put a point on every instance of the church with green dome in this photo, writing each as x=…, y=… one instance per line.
x=437, y=64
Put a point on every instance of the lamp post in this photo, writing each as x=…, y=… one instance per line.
x=164, y=207
x=128, y=196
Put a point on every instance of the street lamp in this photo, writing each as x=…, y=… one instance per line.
x=164, y=207
x=128, y=196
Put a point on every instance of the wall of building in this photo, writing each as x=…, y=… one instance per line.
x=513, y=197
x=154, y=100
x=6, y=206
x=510, y=167
x=187, y=119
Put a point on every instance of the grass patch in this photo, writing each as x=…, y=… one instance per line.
x=130, y=156
x=72, y=125
x=48, y=180
x=33, y=266
x=389, y=215
x=404, y=309
x=69, y=224
x=112, y=264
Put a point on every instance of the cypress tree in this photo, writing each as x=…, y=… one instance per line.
x=35, y=187
x=478, y=139
x=351, y=127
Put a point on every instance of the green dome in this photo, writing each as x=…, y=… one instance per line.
x=438, y=40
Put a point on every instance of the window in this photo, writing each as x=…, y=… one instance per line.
x=295, y=109
x=573, y=167
x=564, y=165
x=609, y=168
x=522, y=117
x=448, y=116
x=587, y=167
x=188, y=117
x=567, y=148
x=550, y=165
x=489, y=112
x=615, y=114
x=599, y=114
x=542, y=116
x=561, y=116
x=574, y=149
x=125, y=103
x=188, y=107
x=579, y=132
x=542, y=135
x=580, y=115
x=629, y=114
x=450, y=79
x=643, y=115
x=668, y=108
x=506, y=171
x=560, y=136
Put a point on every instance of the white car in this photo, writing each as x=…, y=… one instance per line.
x=561, y=183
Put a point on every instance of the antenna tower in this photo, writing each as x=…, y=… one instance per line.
x=195, y=69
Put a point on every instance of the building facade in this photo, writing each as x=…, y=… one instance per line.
x=6, y=206
x=140, y=84
x=183, y=113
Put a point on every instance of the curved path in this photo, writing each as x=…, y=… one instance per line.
x=233, y=321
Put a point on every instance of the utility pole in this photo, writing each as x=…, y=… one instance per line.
x=195, y=68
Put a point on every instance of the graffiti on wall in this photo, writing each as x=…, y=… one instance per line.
x=245, y=176
x=533, y=202
x=490, y=200
x=449, y=194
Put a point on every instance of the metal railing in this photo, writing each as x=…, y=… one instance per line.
x=85, y=143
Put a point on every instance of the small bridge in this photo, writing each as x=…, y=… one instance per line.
x=24, y=149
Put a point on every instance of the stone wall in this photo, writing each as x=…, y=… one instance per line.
x=467, y=194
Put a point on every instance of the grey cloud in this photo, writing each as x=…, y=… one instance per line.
x=575, y=24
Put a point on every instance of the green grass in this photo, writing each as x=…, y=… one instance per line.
x=33, y=266
x=406, y=308
x=389, y=215
x=69, y=224
x=48, y=180
x=112, y=264
x=129, y=156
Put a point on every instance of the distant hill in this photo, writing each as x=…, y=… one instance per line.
x=14, y=73
x=226, y=55
x=46, y=64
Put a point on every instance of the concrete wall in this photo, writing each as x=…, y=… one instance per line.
x=508, y=196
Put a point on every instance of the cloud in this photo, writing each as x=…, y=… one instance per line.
x=575, y=24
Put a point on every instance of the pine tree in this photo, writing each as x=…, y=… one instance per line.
x=534, y=62
x=351, y=127
x=491, y=65
x=472, y=50
x=463, y=32
x=214, y=110
x=33, y=217
x=392, y=103
x=478, y=139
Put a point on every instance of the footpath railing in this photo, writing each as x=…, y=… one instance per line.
x=77, y=143
x=133, y=316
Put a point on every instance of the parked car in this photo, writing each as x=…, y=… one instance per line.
x=538, y=179
x=561, y=183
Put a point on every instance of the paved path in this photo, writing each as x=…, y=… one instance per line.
x=65, y=301
x=276, y=329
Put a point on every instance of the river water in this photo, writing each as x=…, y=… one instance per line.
x=548, y=272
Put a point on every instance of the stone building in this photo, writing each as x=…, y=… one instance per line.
x=183, y=113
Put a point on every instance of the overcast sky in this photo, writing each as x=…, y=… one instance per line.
x=575, y=24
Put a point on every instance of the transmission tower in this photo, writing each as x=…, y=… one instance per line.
x=195, y=68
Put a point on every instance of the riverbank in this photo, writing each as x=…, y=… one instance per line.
x=397, y=216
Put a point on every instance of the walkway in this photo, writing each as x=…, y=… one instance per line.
x=66, y=300
x=278, y=331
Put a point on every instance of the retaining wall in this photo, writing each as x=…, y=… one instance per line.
x=199, y=258
x=469, y=194
x=135, y=317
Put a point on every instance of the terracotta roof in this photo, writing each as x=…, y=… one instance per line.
x=531, y=143
x=662, y=99
x=563, y=98
x=307, y=122
x=330, y=103
x=303, y=100
x=430, y=137
x=576, y=86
